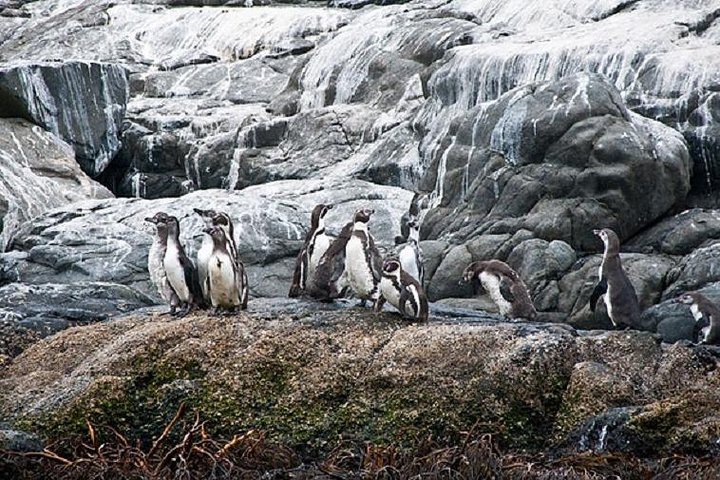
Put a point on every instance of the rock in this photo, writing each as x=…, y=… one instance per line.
x=362, y=3
x=674, y=321
x=47, y=308
x=694, y=271
x=679, y=234
x=300, y=372
x=19, y=441
x=547, y=169
x=539, y=262
x=37, y=173
x=445, y=280
x=81, y=102
x=108, y=240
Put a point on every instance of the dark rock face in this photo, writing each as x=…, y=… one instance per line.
x=37, y=173
x=81, y=102
x=680, y=234
x=558, y=159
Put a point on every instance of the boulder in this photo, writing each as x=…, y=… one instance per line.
x=108, y=240
x=679, y=234
x=304, y=373
x=559, y=159
x=37, y=173
x=81, y=102
x=694, y=271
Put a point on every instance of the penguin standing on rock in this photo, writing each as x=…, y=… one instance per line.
x=504, y=286
x=222, y=220
x=620, y=297
x=410, y=255
x=402, y=291
x=330, y=280
x=179, y=269
x=707, y=317
x=224, y=282
x=363, y=264
x=315, y=246
x=155, y=261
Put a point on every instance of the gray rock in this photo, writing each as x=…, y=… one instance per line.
x=81, y=102
x=108, y=240
x=517, y=163
x=444, y=282
x=538, y=262
x=694, y=271
x=674, y=321
x=679, y=234
x=19, y=441
x=37, y=173
x=48, y=308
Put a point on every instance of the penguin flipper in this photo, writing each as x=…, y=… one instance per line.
x=192, y=280
x=299, y=280
x=506, y=289
x=245, y=289
x=597, y=292
x=375, y=259
x=477, y=285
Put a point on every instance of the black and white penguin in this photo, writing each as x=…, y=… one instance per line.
x=620, y=297
x=402, y=291
x=411, y=216
x=504, y=286
x=179, y=269
x=363, y=263
x=222, y=220
x=707, y=317
x=316, y=244
x=410, y=255
x=155, y=261
x=330, y=281
x=224, y=282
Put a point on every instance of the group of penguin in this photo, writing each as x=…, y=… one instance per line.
x=328, y=267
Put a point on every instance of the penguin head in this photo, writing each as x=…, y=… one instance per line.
x=363, y=215
x=318, y=214
x=158, y=218
x=391, y=267
x=609, y=238
x=687, y=298
x=213, y=217
x=172, y=224
x=217, y=234
x=471, y=271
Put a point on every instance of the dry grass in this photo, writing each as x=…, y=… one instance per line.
x=193, y=454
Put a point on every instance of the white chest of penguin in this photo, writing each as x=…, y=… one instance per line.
x=492, y=284
x=390, y=292
x=359, y=274
x=322, y=243
x=175, y=271
x=409, y=261
x=222, y=281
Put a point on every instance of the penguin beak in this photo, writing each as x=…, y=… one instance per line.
x=207, y=230
x=597, y=232
x=151, y=219
x=200, y=212
x=329, y=207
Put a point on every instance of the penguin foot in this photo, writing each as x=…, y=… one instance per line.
x=362, y=303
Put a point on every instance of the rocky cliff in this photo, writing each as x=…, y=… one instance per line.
x=518, y=126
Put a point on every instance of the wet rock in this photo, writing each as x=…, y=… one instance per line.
x=538, y=262
x=517, y=163
x=108, y=240
x=694, y=271
x=445, y=280
x=37, y=173
x=81, y=102
x=679, y=234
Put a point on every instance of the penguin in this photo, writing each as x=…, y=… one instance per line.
x=504, y=286
x=410, y=255
x=330, y=280
x=620, y=297
x=707, y=318
x=179, y=269
x=363, y=264
x=402, y=291
x=412, y=215
x=222, y=220
x=224, y=282
x=315, y=246
x=155, y=261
